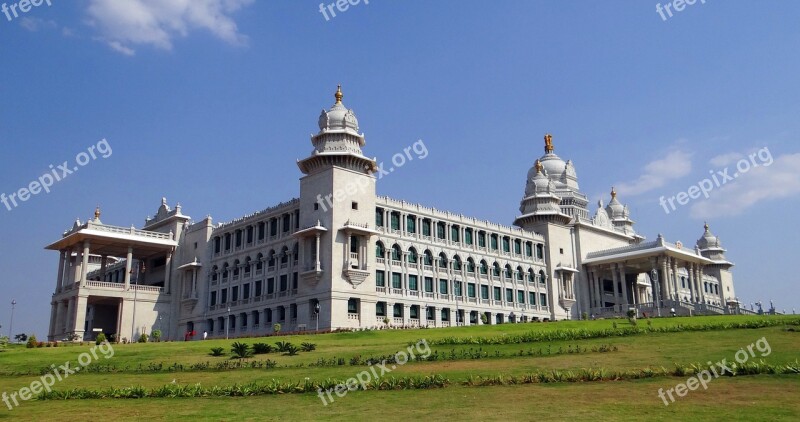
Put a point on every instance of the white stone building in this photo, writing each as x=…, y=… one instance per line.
x=339, y=256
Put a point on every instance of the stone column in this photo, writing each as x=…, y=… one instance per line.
x=85, y=263
x=60, y=276
x=167, y=279
x=617, y=292
x=53, y=316
x=128, y=268
x=70, y=316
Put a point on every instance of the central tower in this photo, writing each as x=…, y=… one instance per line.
x=337, y=205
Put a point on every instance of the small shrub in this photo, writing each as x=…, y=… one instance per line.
x=262, y=348
x=31, y=342
x=585, y=316
x=143, y=338
x=277, y=328
x=241, y=350
x=101, y=338
x=156, y=336
x=291, y=350
x=217, y=351
x=308, y=347
x=283, y=346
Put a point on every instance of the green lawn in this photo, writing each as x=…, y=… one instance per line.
x=760, y=397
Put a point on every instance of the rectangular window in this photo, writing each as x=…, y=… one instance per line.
x=528, y=249
x=397, y=281
x=213, y=298
x=270, y=286
x=494, y=242
x=454, y=234
x=284, y=283
x=259, y=288
x=426, y=227
x=428, y=284
x=412, y=283
x=543, y=299
x=235, y=293
x=457, y=288
x=246, y=291
x=224, y=296
x=379, y=217
x=443, y=286
x=484, y=292
x=482, y=239
x=471, y=290
x=413, y=312
x=380, y=309
x=262, y=230
x=509, y=295
x=411, y=224
x=395, y=221
x=380, y=279
x=532, y=298
x=520, y=296
x=352, y=306
x=440, y=231
x=506, y=245
x=294, y=281
x=517, y=247
x=497, y=293
x=273, y=227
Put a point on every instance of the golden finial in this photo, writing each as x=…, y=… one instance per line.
x=97, y=213
x=339, y=95
x=539, y=166
x=613, y=193
x=705, y=226
x=548, y=143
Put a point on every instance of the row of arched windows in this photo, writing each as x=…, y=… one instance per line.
x=272, y=259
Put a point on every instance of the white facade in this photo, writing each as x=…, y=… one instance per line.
x=339, y=256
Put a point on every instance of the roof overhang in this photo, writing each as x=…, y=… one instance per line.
x=115, y=241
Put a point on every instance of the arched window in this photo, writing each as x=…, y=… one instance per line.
x=284, y=255
x=457, y=263
x=412, y=256
x=225, y=270
x=214, y=273
x=542, y=276
x=496, y=270
x=470, y=265
x=236, y=268
x=484, y=267
x=380, y=250
x=531, y=276
x=520, y=273
x=271, y=259
x=428, y=257
x=442, y=260
x=259, y=262
x=508, y=272
x=397, y=253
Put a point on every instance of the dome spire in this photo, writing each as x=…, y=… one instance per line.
x=613, y=193
x=548, y=143
x=339, y=94
x=705, y=226
x=97, y=213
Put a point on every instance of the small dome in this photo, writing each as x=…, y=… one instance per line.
x=553, y=165
x=708, y=240
x=338, y=117
x=539, y=183
x=615, y=208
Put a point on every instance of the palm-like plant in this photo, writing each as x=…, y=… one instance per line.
x=308, y=347
x=283, y=346
x=241, y=350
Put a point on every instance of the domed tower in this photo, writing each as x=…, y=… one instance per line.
x=711, y=247
x=540, y=202
x=337, y=214
x=619, y=214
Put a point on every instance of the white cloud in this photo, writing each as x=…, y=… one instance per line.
x=760, y=184
x=36, y=24
x=726, y=159
x=124, y=25
x=658, y=172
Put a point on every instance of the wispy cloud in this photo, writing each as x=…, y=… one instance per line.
x=37, y=24
x=124, y=25
x=779, y=180
x=658, y=173
x=724, y=160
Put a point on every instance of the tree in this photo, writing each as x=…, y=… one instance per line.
x=484, y=319
x=277, y=328
x=21, y=338
x=156, y=335
x=31, y=342
x=3, y=343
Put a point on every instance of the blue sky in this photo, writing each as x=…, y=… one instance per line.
x=211, y=103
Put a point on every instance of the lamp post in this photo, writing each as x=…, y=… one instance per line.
x=316, y=313
x=656, y=293
x=11, y=325
x=228, y=323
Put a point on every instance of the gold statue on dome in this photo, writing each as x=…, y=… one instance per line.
x=548, y=143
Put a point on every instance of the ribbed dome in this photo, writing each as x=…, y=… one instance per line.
x=615, y=209
x=539, y=183
x=553, y=165
x=338, y=117
x=708, y=240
